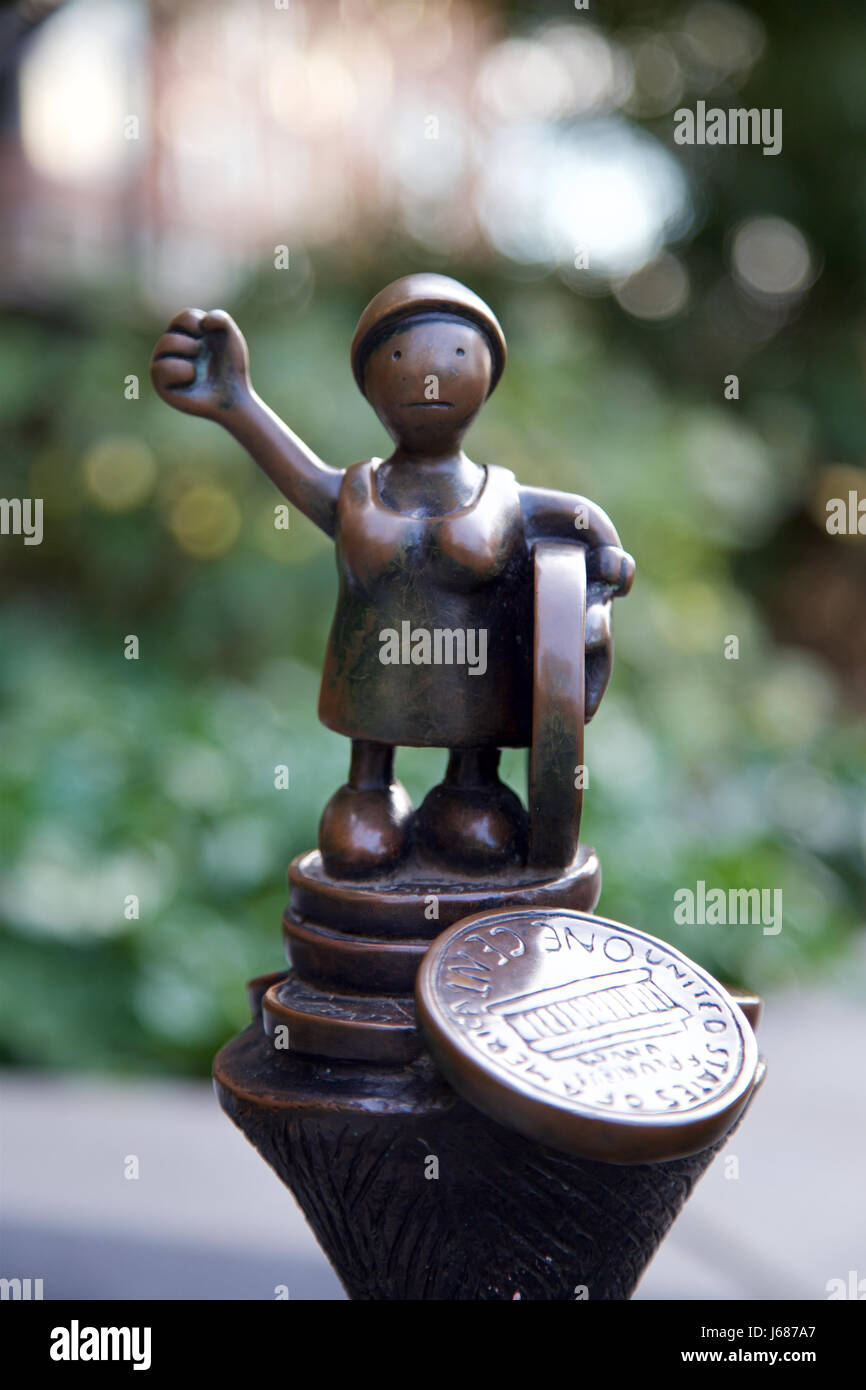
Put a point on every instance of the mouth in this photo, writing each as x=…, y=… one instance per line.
x=430, y=405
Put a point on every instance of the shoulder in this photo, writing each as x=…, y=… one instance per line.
x=501, y=479
x=357, y=479
x=547, y=511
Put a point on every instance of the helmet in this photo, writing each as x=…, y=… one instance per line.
x=424, y=293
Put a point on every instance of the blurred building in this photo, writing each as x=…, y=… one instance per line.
x=188, y=141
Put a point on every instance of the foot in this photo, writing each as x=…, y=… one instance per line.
x=472, y=822
x=364, y=831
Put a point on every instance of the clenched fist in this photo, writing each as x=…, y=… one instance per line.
x=599, y=653
x=201, y=364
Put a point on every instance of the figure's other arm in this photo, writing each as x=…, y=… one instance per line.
x=551, y=515
x=201, y=366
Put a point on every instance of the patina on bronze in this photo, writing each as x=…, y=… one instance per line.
x=461, y=619
x=513, y=587
x=586, y=1034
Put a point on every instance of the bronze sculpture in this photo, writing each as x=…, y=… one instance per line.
x=473, y=614
x=425, y=538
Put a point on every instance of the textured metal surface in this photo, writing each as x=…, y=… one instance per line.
x=497, y=1216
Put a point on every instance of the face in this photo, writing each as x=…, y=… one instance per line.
x=428, y=381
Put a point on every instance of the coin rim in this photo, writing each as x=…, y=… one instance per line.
x=622, y=1139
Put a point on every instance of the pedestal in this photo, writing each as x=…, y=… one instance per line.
x=411, y=1192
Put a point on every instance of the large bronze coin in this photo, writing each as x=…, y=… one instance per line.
x=586, y=1034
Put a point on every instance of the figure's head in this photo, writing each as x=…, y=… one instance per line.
x=427, y=352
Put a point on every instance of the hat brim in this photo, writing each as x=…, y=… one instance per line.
x=424, y=294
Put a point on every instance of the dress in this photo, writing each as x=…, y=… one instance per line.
x=431, y=643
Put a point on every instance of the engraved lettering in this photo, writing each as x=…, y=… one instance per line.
x=519, y=949
x=571, y=936
x=485, y=946
x=618, y=949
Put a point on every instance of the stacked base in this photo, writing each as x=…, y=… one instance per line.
x=411, y=1192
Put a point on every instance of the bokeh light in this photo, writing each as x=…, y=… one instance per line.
x=721, y=41
x=78, y=86
x=119, y=472
x=659, y=290
x=771, y=257
x=658, y=76
x=205, y=521
x=602, y=188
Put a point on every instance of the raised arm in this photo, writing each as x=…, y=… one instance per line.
x=552, y=515
x=201, y=366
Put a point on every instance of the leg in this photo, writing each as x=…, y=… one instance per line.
x=364, y=827
x=472, y=822
x=372, y=765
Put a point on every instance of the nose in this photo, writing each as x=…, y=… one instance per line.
x=434, y=364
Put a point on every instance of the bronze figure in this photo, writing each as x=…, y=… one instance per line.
x=473, y=614
x=431, y=642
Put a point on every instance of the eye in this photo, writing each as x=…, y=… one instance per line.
x=396, y=355
x=460, y=352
